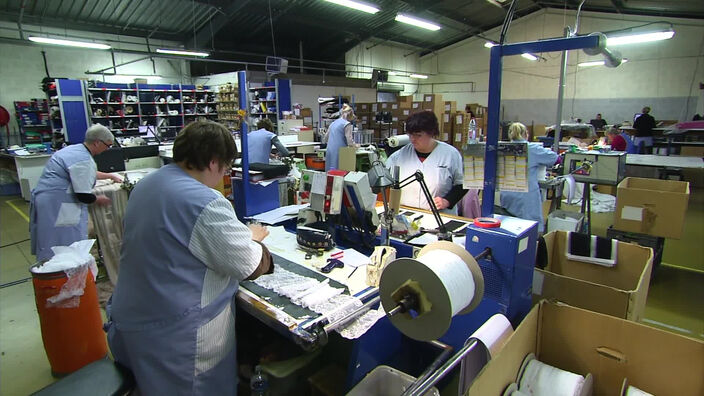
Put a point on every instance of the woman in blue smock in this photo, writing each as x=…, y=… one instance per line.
x=260, y=141
x=338, y=135
x=171, y=319
x=528, y=205
x=58, y=208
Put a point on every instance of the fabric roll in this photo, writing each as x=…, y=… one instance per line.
x=107, y=222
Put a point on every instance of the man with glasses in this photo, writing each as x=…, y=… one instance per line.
x=58, y=207
x=171, y=318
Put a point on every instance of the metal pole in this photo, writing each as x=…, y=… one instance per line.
x=244, y=129
x=422, y=388
x=446, y=351
x=342, y=321
x=560, y=97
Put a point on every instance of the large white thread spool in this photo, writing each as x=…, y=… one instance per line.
x=449, y=279
x=539, y=379
x=399, y=140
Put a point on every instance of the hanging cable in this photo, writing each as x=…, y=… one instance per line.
x=271, y=23
x=576, y=24
x=507, y=21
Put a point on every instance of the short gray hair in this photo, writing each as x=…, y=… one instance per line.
x=98, y=132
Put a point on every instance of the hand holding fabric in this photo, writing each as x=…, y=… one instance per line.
x=259, y=232
x=116, y=178
x=102, y=200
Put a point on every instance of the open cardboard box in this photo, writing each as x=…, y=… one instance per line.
x=651, y=206
x=619, y=291
x=609, y=348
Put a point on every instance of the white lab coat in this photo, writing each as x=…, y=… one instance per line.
x=442, y=170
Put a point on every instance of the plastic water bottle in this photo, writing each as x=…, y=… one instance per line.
x=259, y=385
x=473, y=129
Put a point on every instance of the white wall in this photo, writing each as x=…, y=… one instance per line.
x=664, y=75
x=22, y=66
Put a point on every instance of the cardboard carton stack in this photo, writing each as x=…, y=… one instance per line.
x=446, y=121
x=364, y=115
x=480, y=116
x=460, y=129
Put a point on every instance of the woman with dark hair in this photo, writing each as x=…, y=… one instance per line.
x=261, y=140
x=440, y=163
x=171, y=318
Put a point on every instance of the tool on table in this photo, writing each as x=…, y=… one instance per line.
x=312, y=252
x=332, y=264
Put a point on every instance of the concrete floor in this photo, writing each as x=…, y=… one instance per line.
x=675, y=301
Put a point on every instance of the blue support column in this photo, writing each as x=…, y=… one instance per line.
x=495, y=71
x=492, y=134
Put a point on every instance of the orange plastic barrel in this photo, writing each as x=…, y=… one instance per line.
x=73, y=337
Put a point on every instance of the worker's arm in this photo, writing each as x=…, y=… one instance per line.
x=115, y=177
x=325, y=137
x=453, y=196
x=280, y=147
x=82, y=175
x=227, y=246
x=348, y=135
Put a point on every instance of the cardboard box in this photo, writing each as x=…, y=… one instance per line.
x=394, y=106
x=651, y=206
x=619, y=291
x=432, y=98
x=459, y=129
x=364, y=107
x=405, y=99
x=611, y=349
x=449, y=107
x=562, y=220
x=384, y=106
x=374, y=107
x=416, y=107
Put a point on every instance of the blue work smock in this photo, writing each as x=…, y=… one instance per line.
x=171, y=317
x=56, y=216
x=259, y=145
x=529, y=205
x=336, y=139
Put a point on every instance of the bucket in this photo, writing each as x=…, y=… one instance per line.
x=73, y=337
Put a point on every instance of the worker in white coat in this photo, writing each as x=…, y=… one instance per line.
x=440, y=163
x=171, y=318
x=338, y=135
x=528, y=205
x=58, y=208
x=260, y=141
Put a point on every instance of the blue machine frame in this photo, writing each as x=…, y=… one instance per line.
x=495, y=72
x=250, y=199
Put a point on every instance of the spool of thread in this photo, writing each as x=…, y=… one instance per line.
x=540, y=379
x=494, y=333
x=398, y=140
x=447, y=276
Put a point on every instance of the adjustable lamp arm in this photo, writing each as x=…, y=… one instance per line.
x=418, y=177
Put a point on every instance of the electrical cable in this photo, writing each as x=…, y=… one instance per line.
x=14, y=243
x=271, y=24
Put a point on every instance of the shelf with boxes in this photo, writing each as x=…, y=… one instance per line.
x=228, y=106
x=124, y=108
x=270, y=100
x=33, y=119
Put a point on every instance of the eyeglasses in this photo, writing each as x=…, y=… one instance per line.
x=106, y=145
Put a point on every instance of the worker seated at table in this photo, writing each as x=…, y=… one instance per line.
x=598, y=122
x=616, y=140
x=260, y=141
x=528, y=205
x=440, y=163
x=171, y=319
x=338, y=135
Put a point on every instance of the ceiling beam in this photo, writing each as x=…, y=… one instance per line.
x=628, y=10
x=218, y=21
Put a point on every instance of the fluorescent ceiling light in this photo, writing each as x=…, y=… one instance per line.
x=420, y=76
x=355, y=5
x=417, y=22
x=597, y=63
x=640, y=38
x=490, y=44
x=181, y=52
x=529, y=56
x=69, y=43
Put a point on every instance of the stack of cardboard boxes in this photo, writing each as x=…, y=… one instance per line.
x=400, y=111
